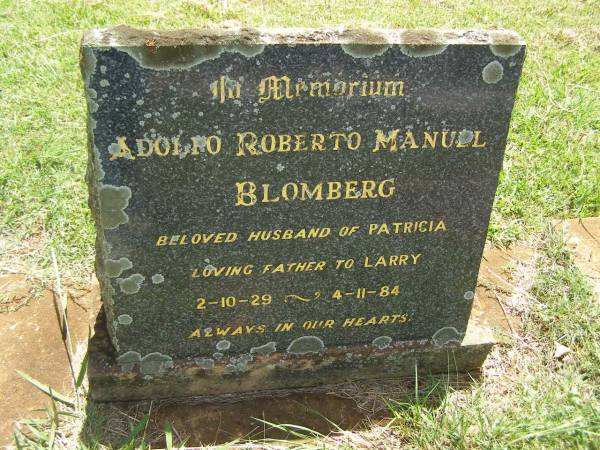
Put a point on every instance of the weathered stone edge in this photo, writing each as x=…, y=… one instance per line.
x=185, y=381
x=94, y=176
x=125, y=36
x=112, y=381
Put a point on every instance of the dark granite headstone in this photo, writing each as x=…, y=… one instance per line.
x=289, y=193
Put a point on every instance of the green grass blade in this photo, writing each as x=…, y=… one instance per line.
x=17, y=441
x=29, y=442
x=47, y=390
x=295, y=430
x=82, y=371
x=54, y=415
x=39, y=434
x=52, y=436
x=135, y=431
x=169, y=435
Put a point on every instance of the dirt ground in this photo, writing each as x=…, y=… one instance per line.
x=32, y=343
x=583, y=239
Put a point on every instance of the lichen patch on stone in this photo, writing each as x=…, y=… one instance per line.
x=125, y=319
x=248, y=50
x=157, y=278
x=465, y=137
x=305, y=344
x=422, y=51
x=364, y=42
x=115, y=267
x=237, y=365
x=113, y=201
x=505, y=51
x=493, y=72
x=180, y=57
x=423, y=43
x=128, y=360
x=223, y=345
x=505, y=37
x=155, y=364
x=205, y=363
x=382, y=342
x=172, y=58
x=88, y=68
x=246, y=357
x=266, y=349
x=447, y=335
x=365, y=50
x=131, y=284
x=95, y=162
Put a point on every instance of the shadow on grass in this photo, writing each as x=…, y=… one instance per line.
x=277, y=415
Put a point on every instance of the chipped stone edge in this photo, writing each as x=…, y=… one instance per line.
x=125, y=36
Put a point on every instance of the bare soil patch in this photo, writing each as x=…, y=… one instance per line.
x=32, y=343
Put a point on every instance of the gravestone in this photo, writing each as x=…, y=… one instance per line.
x=287, y=208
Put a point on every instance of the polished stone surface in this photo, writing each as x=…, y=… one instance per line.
x=408, y=128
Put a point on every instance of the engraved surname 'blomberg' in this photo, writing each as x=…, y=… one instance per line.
x=249, y=193
x=275, y=88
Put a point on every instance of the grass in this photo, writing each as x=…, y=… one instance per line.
x=545, y=402
x=552, y=163
x=551, y=170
